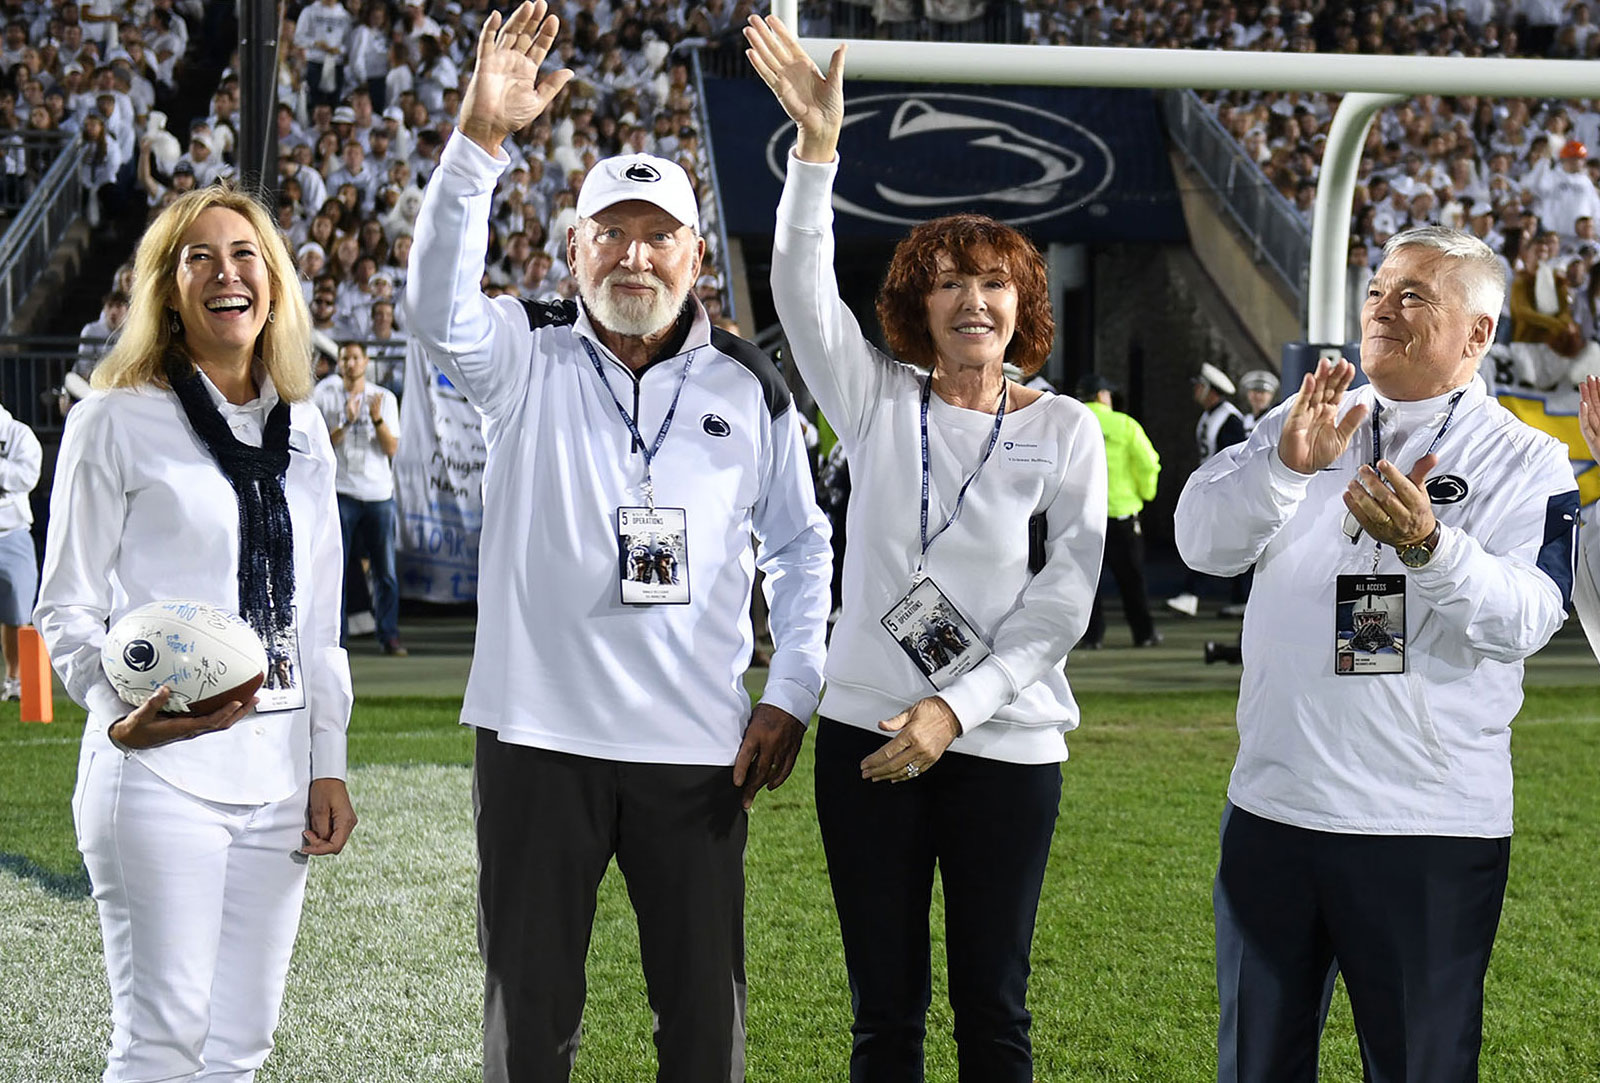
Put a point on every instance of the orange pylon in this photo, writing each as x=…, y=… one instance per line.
x=38, y=703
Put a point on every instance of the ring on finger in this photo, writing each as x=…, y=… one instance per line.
x=912, y=770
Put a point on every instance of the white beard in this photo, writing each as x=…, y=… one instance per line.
x=632, y=316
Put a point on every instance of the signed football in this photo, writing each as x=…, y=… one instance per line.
x=206, y=655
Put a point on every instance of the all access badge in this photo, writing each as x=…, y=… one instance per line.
x=1369, y=625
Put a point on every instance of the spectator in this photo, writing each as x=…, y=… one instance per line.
x=1564, y=193
x=309, y=258
x=324, y=312
x=320, y=34
x=202, y=158
x=97, y=336
x=20, y=461
x=353, y=170
x=369, y=54
x=364, y=424
x=99, y=171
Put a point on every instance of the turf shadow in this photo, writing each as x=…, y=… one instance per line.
x=73, y=885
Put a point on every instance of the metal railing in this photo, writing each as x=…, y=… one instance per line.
x=32, y=369
x=25, y=156
x=1280, y=237
x=31, y=237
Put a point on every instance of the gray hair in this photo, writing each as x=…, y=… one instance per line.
x=1482, y=275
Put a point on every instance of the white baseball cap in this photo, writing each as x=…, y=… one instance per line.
x=640, y=176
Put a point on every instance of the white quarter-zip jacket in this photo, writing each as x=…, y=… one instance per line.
x=560, y=662
x=141, y=512
x=1428, y=751
x=1050, y=461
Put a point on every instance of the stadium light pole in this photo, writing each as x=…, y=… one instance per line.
x=1371, y=81
x=258, y=95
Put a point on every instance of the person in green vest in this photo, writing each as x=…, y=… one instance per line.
x=1132, y=467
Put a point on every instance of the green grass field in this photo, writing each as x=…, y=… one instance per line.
x=386, y=982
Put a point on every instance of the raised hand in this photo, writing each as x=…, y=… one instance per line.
x=1589, y=414
x=505, y=93
x=813, y=101
x=1313, y=435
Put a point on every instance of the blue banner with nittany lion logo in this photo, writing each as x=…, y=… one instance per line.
x=1061, y=164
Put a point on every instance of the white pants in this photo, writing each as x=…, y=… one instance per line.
x=199, y=902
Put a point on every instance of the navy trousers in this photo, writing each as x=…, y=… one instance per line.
x=987, y=826
x=548, y=824
x=1409, y=920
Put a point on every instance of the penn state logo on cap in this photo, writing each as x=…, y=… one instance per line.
x=1447, y=489
x=139, y=655
x=640, y=176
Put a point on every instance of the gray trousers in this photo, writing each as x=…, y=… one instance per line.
x=548, y=824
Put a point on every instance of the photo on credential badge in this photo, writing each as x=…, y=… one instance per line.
x=653, y=556
x=282, y=690
x=934, y=634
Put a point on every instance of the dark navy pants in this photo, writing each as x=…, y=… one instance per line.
x=369, y=524
x=987, y=826
x=548, y=824
x=1409, y=920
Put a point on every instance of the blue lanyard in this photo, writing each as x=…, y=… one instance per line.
x=994, y=438
x=647, y=450
x=1377, y=425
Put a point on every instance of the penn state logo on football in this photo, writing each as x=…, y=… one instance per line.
x=1447, y=489
x=715, y=426
x=640, y=171
x=139, y=655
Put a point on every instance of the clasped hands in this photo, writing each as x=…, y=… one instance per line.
x=1392, y=507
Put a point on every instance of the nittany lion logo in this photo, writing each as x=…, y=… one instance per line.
x=1006, y=159
x=139, y=655
x=715, y=426
x=1447, y=489
x=641, y=172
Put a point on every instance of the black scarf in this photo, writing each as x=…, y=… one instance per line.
x=266, y=533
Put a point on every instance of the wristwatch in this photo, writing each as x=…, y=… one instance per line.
x=1417, y=554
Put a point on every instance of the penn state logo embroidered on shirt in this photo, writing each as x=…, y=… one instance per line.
x=139, y=656
x=641, y=172
x=715, y=426
x=1447, y=489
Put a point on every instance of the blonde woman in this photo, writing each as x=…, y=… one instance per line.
x=199, y=469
